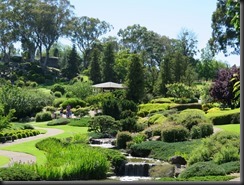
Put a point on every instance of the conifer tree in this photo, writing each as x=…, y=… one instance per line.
x=95, y=70
x=135, y=80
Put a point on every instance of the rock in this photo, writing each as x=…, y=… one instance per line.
x=177, y=160
x=155, y=138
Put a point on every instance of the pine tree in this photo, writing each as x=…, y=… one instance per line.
x=108, y=72
x=135, y=80
x=72, y=67
x=95, y=73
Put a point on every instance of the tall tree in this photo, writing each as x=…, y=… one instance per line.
x=95, y=69
x=85, y=32
x=108, y=61
x=135, y=80
x=222, y=87
x=72, y=67
x=226, y=27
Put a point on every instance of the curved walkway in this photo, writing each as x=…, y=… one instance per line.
x=23, y=157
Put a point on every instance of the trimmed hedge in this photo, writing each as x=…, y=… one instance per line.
x=228, y=118
x=174, y=133
x=181, y=107
x=43, y=116
x=122, y=138
x=60, y=121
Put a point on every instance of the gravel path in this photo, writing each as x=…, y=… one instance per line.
x=23, y=157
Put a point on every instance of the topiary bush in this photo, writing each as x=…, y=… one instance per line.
x=228, y=118
x=202, y=169
x=43, y=116
x=174, y=133
x=58, y=87
x=73, y=102
x=122, y=138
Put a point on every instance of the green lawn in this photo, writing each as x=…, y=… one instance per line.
x=230, y=127
x=4, y=160
x=29, y=147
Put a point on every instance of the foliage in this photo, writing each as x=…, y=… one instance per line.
x=135, y=80
x=156, y=119
x=19, y=172
x=108, y=73
x=75, y=162
x=181, y=107
x=27, y=102
x=225, y=117
x=222, y=87
x=73, y=102
x=5, y=120
x=145, y=109
x=71, y=69
x=226, y=27
x=174, y=133
x=210, y=178
x=95, y=68
x=165, y=170
x=122, y=138
x=111, y=107
x=60, y=121
x=180, y=90
x=231, y=167
x=80, y=89
x=57, y=94
x=43, y=116
x=202, y=169
x=128, y=124
x=211, y=147
x=82, y=122
x=58, y=101
x=104, y=124
x=58, y=87
x=163, y=150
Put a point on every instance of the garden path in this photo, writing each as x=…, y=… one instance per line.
x=23, y=157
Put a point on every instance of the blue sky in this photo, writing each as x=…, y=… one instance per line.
x=165, y=17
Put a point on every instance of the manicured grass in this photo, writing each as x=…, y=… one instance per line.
x=29, y=147
x=230, y=127
x=4, y=160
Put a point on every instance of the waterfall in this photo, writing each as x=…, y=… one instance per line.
x=137, y=169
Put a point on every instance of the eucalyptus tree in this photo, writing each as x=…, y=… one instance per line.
x=150, y=45
x=7, y=32
x=85, y=31
x=226, y=27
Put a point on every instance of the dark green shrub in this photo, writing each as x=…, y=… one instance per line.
x=228, y=118
x=111, y=107
x=202, y=169
x=18, y=172
x=33, y=84
x=122, y=138
x=60, y=121
x=196, y=132
x=128, y=124
x=174, y=133
x=128, y=105
x=43, y=116
x=58, y=87
x=69, y=95
x=104, y=124
x=73, y=102
x=181, y=107
x=206, y=129
x=231, y=167
x=57, y=94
